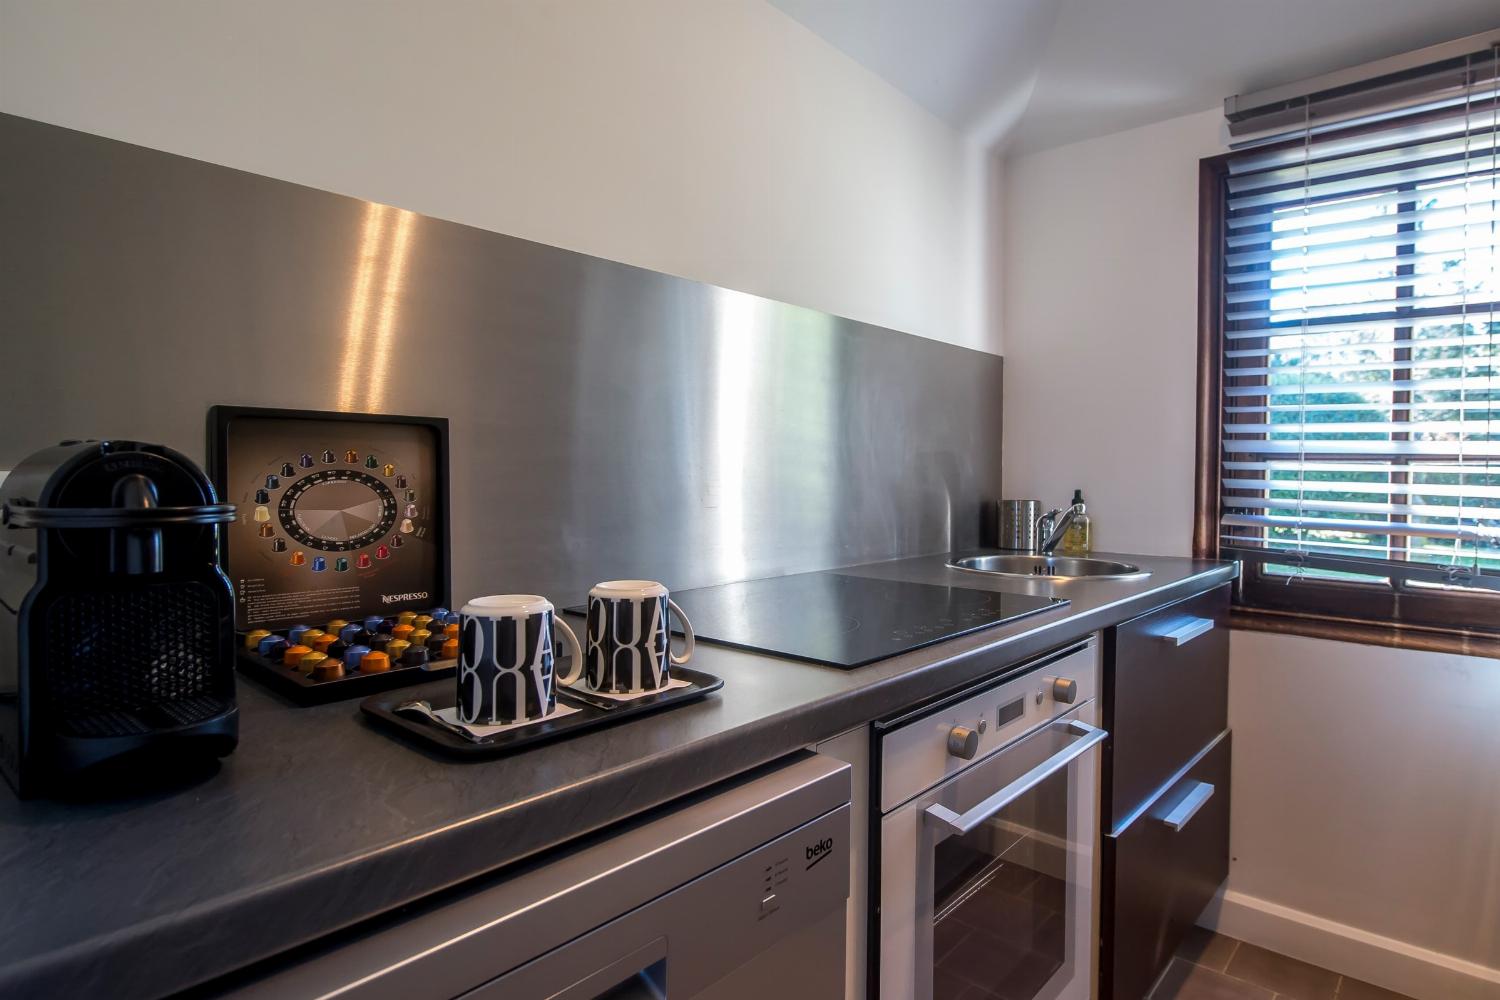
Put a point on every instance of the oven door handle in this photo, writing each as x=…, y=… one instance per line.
x=954, y=824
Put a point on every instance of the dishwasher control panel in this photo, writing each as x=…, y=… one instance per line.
x=782, y=867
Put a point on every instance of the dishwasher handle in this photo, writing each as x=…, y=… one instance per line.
x=952, y=823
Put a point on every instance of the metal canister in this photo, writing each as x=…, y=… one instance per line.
x=1017, y=523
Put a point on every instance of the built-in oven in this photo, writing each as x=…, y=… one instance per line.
x=985, y=850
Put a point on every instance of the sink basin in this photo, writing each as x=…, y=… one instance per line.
x=1051, y=567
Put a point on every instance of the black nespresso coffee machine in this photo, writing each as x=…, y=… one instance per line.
x=116, y=622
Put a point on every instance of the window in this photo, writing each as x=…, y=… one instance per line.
x=1350, y=424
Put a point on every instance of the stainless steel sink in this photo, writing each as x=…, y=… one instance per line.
x=1051, y=567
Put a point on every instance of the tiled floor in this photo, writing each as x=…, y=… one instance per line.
x=1210, y=966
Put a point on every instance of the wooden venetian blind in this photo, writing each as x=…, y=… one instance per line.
x=1360, y=346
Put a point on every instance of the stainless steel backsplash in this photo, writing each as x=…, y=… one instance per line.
x=607, y=421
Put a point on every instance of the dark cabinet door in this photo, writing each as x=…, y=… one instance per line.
x=1166, y=697
x=1166, y=865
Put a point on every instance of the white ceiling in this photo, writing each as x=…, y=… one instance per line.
x=1040, y=73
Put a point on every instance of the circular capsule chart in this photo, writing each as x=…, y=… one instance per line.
x=358, y=508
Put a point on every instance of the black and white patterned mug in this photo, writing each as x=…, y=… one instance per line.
x=506, y=665
x=630, y=639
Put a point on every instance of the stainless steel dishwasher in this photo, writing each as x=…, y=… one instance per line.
x=736, y=893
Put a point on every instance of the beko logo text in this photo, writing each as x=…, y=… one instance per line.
x=817, y=852
x=420, y=595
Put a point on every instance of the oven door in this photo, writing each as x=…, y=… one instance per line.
x=987, y=880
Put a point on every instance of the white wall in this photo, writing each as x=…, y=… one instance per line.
x=1100, y=314
x=1366, y=793
x=1366, y=807
x=714, y=139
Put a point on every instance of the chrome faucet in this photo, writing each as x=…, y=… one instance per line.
x=1053, y=525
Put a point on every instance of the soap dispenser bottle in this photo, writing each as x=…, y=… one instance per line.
x=1078, y=540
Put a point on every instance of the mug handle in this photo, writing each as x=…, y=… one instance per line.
x=687, y=633
x=575, y=654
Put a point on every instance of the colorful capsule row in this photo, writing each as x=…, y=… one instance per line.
x=273, y=481
x=340, y=564
x=351, y=457
x=330, y=457
x=372, y=625
x=375, y=645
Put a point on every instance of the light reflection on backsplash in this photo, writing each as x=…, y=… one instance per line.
x=374, y=299
x=606, y=421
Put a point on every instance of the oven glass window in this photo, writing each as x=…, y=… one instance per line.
x=1000, y=901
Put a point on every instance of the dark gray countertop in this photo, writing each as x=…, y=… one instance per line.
x=320, y=820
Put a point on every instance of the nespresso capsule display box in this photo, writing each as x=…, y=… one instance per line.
x=339, y=555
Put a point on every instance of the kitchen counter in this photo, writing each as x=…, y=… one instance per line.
x=321, y=820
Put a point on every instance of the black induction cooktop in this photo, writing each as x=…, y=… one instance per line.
x=845, y=621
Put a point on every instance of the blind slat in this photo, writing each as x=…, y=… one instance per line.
x=1474, y=208
x=1283, y=465
x=1344, y=388
x=1294, y=504
x=1474, y=312
x=1313, y=344
x=1343, y=145
x=1463, y=146
x=1483, y=370
x=1483, y=406
x=1470, y=449
x=1467, y=533
x=1333, y=272
x=1316, y=431
x=1293, y=314
x=1463, y=190
x=1466, y=235
x=1355, y=487
x=1346, y=187
x=1292, y=547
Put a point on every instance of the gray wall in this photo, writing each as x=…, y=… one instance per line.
x=606, y=421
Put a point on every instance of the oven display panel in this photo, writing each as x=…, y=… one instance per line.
x=1010, y=712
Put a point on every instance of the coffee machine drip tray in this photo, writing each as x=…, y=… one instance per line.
x=846, y=621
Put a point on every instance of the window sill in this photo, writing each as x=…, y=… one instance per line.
x=1366, y=633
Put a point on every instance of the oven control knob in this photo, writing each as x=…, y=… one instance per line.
x=963, y=742
x=1065, y=690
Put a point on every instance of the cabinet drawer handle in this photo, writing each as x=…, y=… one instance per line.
x=1184, y=811
x=1188, y=631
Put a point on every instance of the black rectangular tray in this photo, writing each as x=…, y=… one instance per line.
x=592, y=713
x=306, y=691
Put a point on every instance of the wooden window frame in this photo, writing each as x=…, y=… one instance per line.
x=1349, y=612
